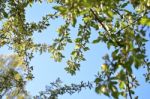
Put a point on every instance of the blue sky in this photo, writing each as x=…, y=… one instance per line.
x=46, y=70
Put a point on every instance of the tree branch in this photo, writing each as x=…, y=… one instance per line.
x=128, y=87
x=97, y=19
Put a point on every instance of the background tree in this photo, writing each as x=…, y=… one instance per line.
x=12, y=76
x=122, y=28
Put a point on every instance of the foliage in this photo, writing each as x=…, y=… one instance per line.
x=121, y=24
x=12, y=78
x=57, y=88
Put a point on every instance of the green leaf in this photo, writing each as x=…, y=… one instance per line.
x=62, y=9
x=145, y=21
x=125, y=4
x=114, y=54
x=98, y=90
x=132, y=92
x=104, y=67
x=50, y=1
x=110, y=13
x=97, y=80
x=69, y=40
x=96, y=40
x=86, y=19
x=5, y=14
x=77, y=40
x=123, y=94
x=74, y=21
x=86, y=49
x=115, y=95
x=121, y=85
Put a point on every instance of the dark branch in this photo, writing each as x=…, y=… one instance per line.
x=128, y=87
x=97, y=19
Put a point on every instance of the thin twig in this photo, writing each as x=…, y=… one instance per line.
x=128, y=87
x=97, y=19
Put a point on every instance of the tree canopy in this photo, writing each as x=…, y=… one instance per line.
x=123, y=25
